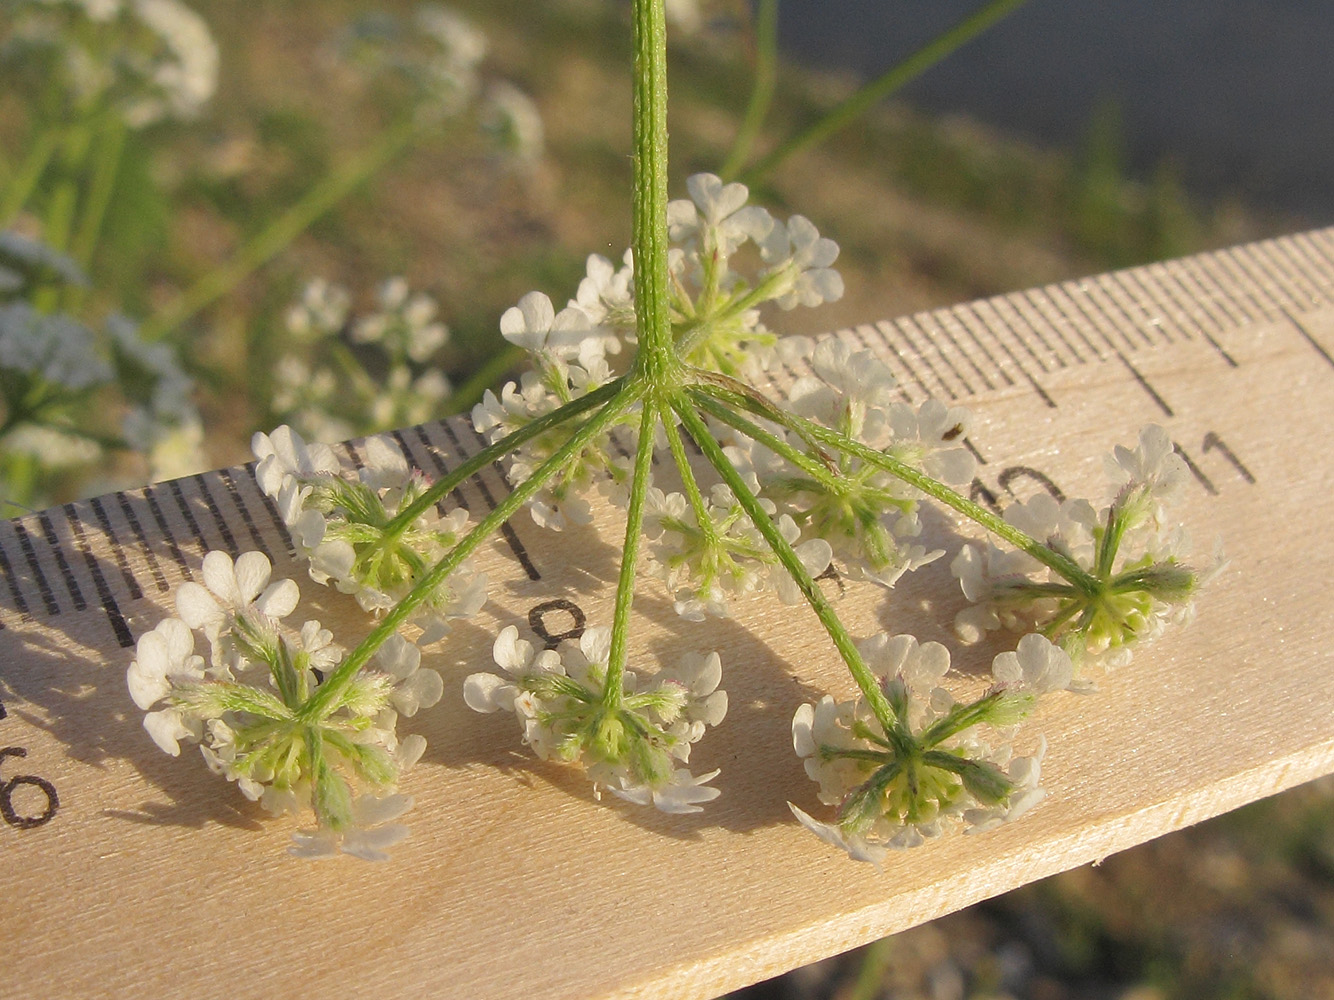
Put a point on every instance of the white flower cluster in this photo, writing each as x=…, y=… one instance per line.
x=149, y=60
x=705, y=561
x=26, y=263
x=932, y=769
x=54, y=367
x=715, y=321
x=569, y=354
x=438, y=55
x=450, y=72
x=350, y=532
x=717, y=307
x=1131, y=548
x=51, y=348
x=323, y=388
x=252, y=729
x=868, y=516
x=629, y=746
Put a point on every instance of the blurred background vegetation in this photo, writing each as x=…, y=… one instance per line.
x=301, y=166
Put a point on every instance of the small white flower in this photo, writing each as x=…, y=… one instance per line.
x=168, y=726
x=27, y=257
x=682, y=793
x=606, y=294
x=164, y=656
x=184, y=74
x=490, y=693
x=53, y=346
x=321, y=311
x=1024, y=773
x=232, y=594
x=1036, y=665
x=372, y=831
x=1153, y=466
x=535, y=326
x=283, y=454
x=717, y=216
x=685, y=15
x=558, y=698
x=802, y=257
x=416, y=687
x=858, y=848
x=1143, y=583
x=928, y=439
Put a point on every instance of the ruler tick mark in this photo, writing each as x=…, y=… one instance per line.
x=271, y=508
x=441, y=467
x=1281, y=279
x=923, y=356
x=1207, y=290
x=1144, y=384
x=955, y=315
x=506, y=529
x=66, y=574
x=30, y=555
x=1318, y=347
x=117, y=550
x=1032, y=379
x=1059, y=321
x=1298, y=262
x=19, y=603
x=1088, y=315
x=238, y=501
x=1212, y=441
x=891, y=357
x=1221, y=351
x=1272, y=306
x=228, y=539
x=118, y=623
x=943, y=328
x=1317, y=254
x=159, y=578
x=888, y=329
x=1195, y=470
x=183, y=504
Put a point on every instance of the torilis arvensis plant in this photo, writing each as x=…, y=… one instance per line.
x=659, y=353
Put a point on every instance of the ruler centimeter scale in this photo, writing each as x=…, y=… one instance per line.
x=60, y=560
x=1222, y=348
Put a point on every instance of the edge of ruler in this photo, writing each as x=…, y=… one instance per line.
x=514, y=880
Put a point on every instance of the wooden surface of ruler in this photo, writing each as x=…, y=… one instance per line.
x=126, y=873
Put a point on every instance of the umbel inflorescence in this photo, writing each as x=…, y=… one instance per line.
x=654, y=354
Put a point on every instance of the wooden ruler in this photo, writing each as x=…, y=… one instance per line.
x=125, y=872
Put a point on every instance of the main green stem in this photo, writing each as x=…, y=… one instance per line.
x=656, y=360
